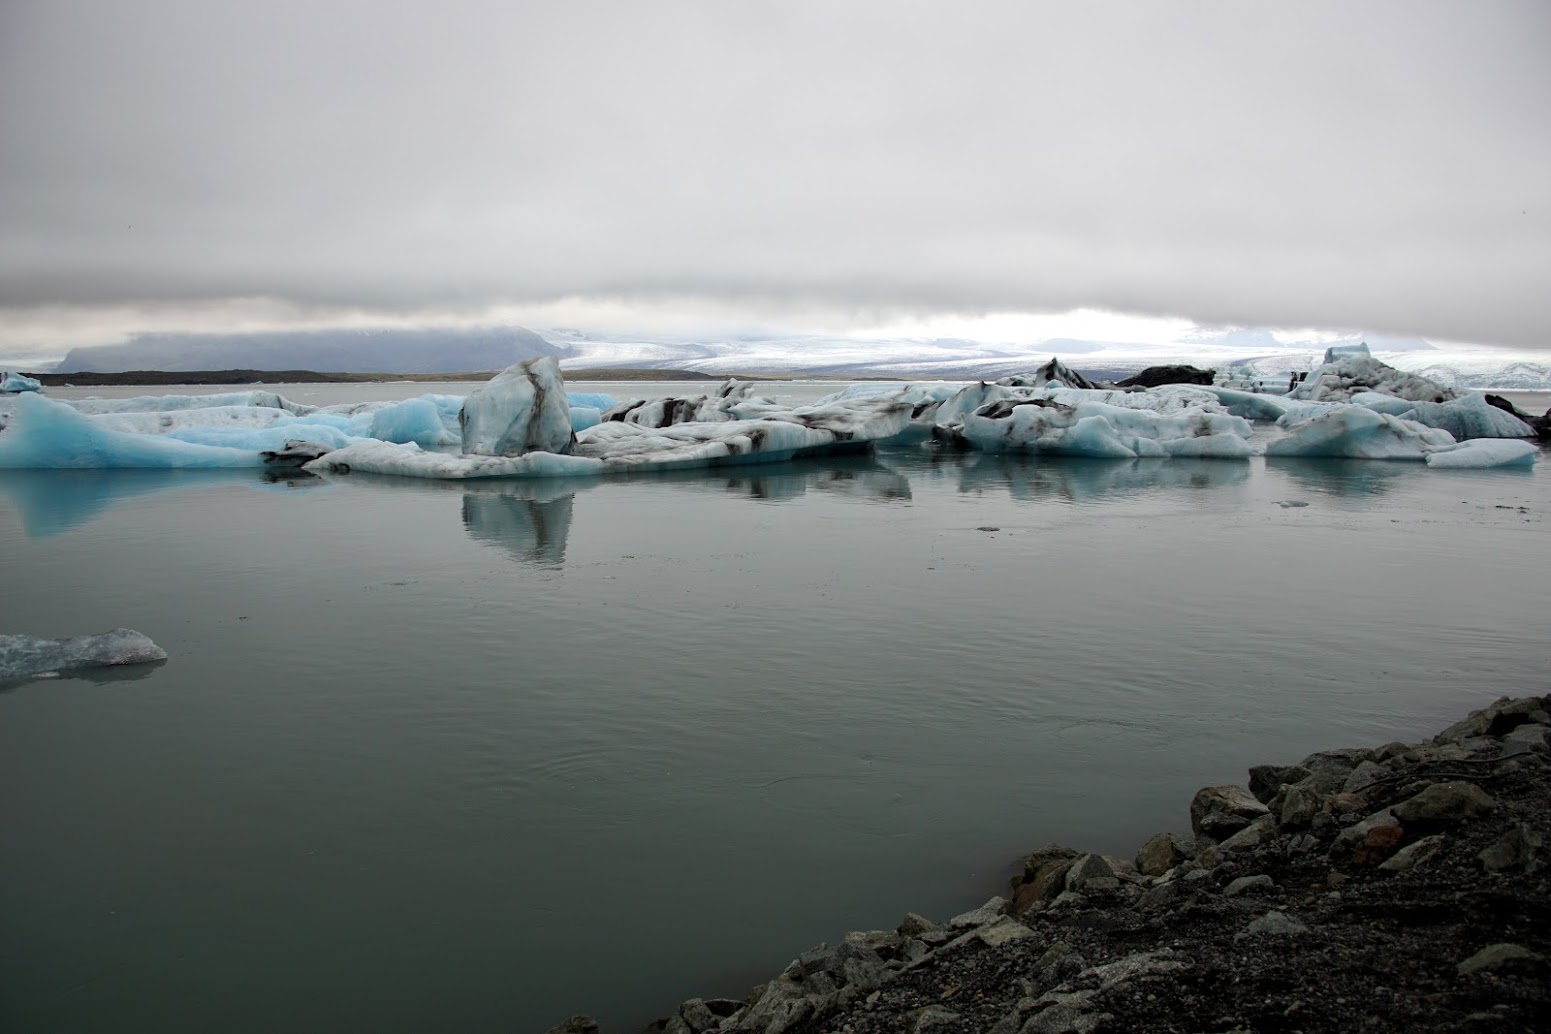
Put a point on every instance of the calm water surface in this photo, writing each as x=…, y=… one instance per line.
x=435, y=756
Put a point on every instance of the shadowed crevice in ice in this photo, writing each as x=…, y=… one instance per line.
x=25, y=657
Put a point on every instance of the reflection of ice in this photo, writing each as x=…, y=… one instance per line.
x=1338, y=477
x=52, y=501
x=533, y=531
x=1034, y=478
x=849, y=477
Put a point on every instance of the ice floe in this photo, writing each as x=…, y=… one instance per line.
x=26, y=656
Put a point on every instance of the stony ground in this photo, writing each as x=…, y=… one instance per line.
x=1403, y=888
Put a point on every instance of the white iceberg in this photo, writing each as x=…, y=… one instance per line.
x=26, y=656
x=1345, y=375
x=15, y=383
x=521, y=409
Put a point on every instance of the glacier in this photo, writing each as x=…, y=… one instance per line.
x=28, y=657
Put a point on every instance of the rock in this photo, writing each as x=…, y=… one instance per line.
x=1413, y=855
x=1299, y=806
x=1057, y=964
x=1352, y=836
x=1272, y=924
x=1065, y=1014
x=1378, y=845
x=1329, y=769
x=987, y=913
x=1248, y=885
x=1085, y=870
x=522, y=409
x=575, y=1025
x=1494, y=956
x=782, y=1005
x=1160, y=854
x=855, y=965
x=1219, y=812
x=1164, y=895
x=1046, y=883
x=1525, y=739
x=1266, y=780
x=1252, y=835
x=1068, y=899
x=914, y=925
x=1445, y=802
x=933, y=1017
x=1516, y=849
x=1132, y=966
x=1156, y=375
x=1363, y=776
x=1009, y=1024
x=1045, y=856
x=1004, y=931
x=1498, y=719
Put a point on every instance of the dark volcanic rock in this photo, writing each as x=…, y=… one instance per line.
x=1156, y=375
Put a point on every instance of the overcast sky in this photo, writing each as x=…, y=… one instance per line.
x=1384, y=166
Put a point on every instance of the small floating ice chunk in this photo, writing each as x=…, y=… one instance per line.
x=1356, y=432
x=26, y=656
x=1486, y=452
x=521, y=409
x=14, y=383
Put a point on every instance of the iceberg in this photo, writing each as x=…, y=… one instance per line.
x=615, y=447
x=45, y=434
x=1346, y=374
x=1100, y=430
x=522, y=409
x=14, y=383
x=1485, y=452
x=1356, y=432
x=1469, y=416
x=26, y=656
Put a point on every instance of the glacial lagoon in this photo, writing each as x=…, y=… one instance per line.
x=476, y=756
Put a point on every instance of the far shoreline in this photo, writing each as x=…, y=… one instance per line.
x=150, y=378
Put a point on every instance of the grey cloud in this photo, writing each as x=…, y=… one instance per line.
x=1381, y=165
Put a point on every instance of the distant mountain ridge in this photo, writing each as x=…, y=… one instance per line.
x=463, y=350
x=435, y=350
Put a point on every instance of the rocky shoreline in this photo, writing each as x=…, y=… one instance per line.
x=1403, y=887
